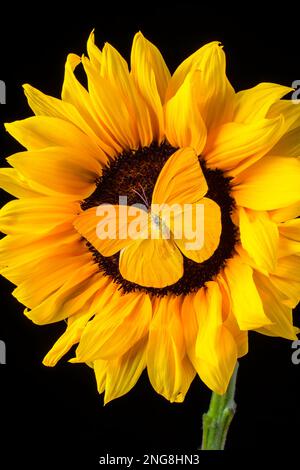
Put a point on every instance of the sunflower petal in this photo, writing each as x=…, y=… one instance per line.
x=44, y=105
x=151, y=76
x=286, y=279
x=235, y=144
x=17, y=249
x=169, y=371
x=277, y=312
x=12, y=182
x=288, y=110
x=60, y=170
x=20, y=256
x=184, y=124
x=259, y=237
x=246, y=302
x=289, y=238
x=286, y=213
x=271, y=183
x=113, y=116
x=70, y=337
x=118, y=325
x=291, y=229
x=123, y=373
x=240, y=337
x=289, y=144
x=74, y=295
x=145, y=57
x=37, y=132
x=21, y=216
x=94, y=53
x=193, y=62
x=217, y=92
x=100, y=367
x=254, y=103
x=210, y=344
x=114, y=69
x=45, y=278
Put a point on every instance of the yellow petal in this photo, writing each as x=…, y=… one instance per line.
x=74, y=93
x=240, y=337
x=145, y=57
x=215, y=347
x=286, y=279
x=22, y=216
x=44, y=105
x=114, y=69
x=289, y=111
x=214, y=94
x=287, y=247
x=288, y=145
x=190, y=322
x=37, y=132
x=246, y=258
x=259, y=236
x=76, y=293
x=169, y=371
x=151, y=76
x=123, y=373
x=12, y=182
x=271, y=183
x=207, y=58
x=108, y=227
x=254, y=103
x=184, y=124
x=100, y=367
x=290, y=229
x=246, y=302
x=60, y=170
x=277, y=312
x=93, y=52
x=45, y=278
x=196, y=240
x=113, y=116
x=19, y=254
x=210, y=345
x=289, y=238
x=194, y=61
x=70, y=337
x=286, y=213
x=235, y=144
x=181, y=181
x=151, y=263
x=116, y=327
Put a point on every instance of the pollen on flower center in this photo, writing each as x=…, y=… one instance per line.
x=133, y=174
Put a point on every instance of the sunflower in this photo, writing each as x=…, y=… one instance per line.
x=152, y=137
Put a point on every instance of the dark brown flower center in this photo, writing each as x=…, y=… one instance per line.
x=134, y=174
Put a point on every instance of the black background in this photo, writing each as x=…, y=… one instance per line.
x=50, y=416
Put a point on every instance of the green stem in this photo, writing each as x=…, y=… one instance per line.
x=217, y=420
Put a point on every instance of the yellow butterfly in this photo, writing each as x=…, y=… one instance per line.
x=157, y=261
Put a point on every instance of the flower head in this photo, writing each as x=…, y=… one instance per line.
x=157, y=214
